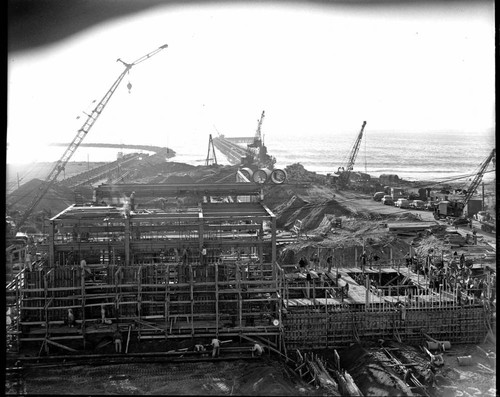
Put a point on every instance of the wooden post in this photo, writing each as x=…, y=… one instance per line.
x=127, y=241
x=46, y=304
x=238, y=287
x=326, y=316
x=273, y=245
x=191, y=290
x=82, y=281
x=167, y=294
x=336, y=265
x=201, y=236
x=139, y=297
x=217, y=299
x=128, y=338
x=367, y=286
x=51, y=244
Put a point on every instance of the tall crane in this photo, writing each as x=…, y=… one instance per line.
x=257, y=141
x=469, y=191
x=344, y=172
x=456, y=208
x=82, y=132
x=257, y=151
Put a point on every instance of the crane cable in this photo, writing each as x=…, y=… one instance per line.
x=82, y=132
x=366, y=170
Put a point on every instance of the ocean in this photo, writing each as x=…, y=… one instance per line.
x=424, y=156
x=412, y=156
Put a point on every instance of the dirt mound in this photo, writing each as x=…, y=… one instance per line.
x=287, y=213
x=297, y=173
x=346, y=243
x=54, y=201
x=259, y=378
x=371, y=375
x=179, y=178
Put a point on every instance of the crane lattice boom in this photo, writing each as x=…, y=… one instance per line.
x=82, y=132
x=258, y=134
x=344, y=172
x=478, y=178
x=355, y=149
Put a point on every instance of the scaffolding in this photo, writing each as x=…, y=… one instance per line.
x=209, y=270
x=180, y=273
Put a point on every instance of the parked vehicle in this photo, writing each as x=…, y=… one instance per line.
x=488, y=223
x=418, y=204
x=378, y=196
x=387, y=200
x=402, y=203
x=482, y=216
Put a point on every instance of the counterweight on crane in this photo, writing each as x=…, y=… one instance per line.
x=82, y=132
x=344, y=172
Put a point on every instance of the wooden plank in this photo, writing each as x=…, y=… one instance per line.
x=59, y=345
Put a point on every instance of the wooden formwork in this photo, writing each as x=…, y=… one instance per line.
x=160, y=301
x=313, y=327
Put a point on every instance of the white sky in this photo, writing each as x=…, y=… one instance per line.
x=314, y=70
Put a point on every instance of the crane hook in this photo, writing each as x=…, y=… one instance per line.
x=129, y=86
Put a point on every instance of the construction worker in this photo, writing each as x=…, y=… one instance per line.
x=346, y=289
x=8, y=319
x=474, y=237
x=302, y=263
x=185, y=256
x=117, y=338
x=103, y=314
x=407, y=376
x=437, y=360
x=407, y=259
x=199, y=348
x=71, y=318
x=203, y=256
x=370, y=261
x=215, y=347
x=329, y=262
x=257, y=349
x=363, y=260
x=132, y=201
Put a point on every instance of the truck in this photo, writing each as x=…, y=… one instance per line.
x=488, y=223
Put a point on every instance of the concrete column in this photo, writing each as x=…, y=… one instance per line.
x=273, y=244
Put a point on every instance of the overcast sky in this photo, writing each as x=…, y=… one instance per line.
x=314, y=69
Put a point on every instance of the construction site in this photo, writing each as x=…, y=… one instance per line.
x=296, y=262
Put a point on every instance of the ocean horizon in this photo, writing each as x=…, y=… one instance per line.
x=412, y=156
